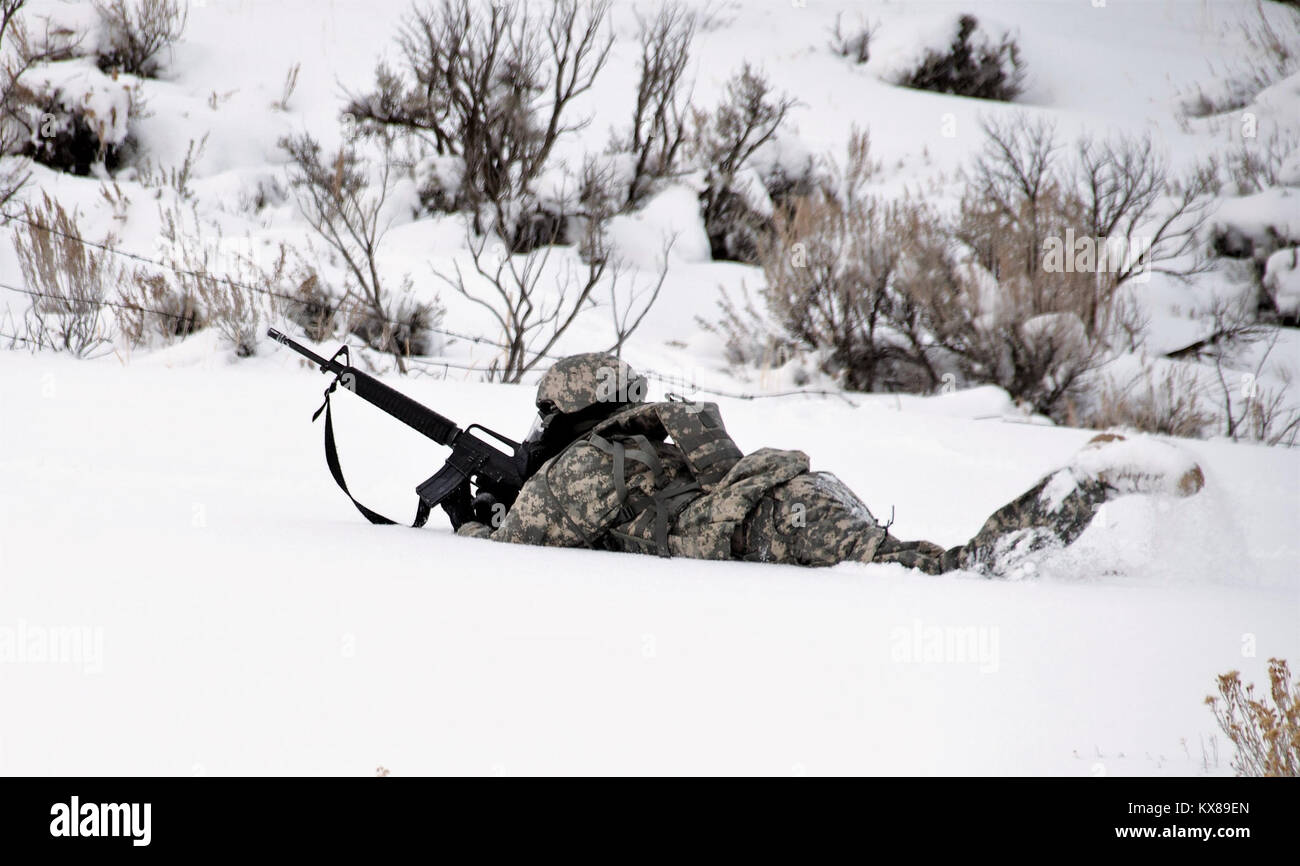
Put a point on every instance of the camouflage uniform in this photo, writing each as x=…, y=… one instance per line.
x=666, y=478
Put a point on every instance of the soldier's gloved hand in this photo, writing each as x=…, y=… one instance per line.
x=458, y=506
x=486, y=511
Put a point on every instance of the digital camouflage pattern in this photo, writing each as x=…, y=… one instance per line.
x=578, y=382
x=685, y=497
x=666, y=478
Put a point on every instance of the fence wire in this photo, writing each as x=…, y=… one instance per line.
x=662, y=378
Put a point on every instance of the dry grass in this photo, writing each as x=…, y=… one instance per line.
x=1264, y=730
x=854, y=44
x=1274, y=55
x=69, y=281
x=1169, y=405
x=1256, y=164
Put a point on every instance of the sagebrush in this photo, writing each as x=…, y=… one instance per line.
x=1264, y=729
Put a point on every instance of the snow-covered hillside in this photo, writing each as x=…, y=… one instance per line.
x=183, y=589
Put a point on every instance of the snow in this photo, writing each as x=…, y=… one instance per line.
x=252, y=622
x=1282, y=279
x=1062, y=483
x=1131, y=465
x=671, y=217
x=79, y=86
x=1148, y=464
x=899, y=47
x=1269, y=214
x=171, y=511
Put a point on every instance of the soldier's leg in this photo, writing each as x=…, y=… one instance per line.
x=922, y=555
x=1031, y=522
x=812, y=519
x=815, y=519
x=1056, y=511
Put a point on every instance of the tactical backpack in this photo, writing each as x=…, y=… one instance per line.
x=661, y=478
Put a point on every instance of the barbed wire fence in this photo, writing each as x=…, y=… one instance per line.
x=666, y=379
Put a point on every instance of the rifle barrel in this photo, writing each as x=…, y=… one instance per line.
x=298, y=347
x=414, y=415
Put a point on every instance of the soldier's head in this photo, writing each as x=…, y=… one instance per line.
x=580, y=391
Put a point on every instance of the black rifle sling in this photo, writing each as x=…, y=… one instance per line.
x=332, y=458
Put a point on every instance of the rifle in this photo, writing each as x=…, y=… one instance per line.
x=472, y=459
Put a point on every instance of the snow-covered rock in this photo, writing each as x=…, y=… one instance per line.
x=672, y=216
x=81, y=89
x=1282, y=280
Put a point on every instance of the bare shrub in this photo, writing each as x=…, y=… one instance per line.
x=831, y=265
x=21, y=109
x=135, y=33
x=1265, y=730
x=1037, y=335
x=852, y=45
x=1277, y=47
x=1130, y=194
x=407, y=326
x=629, y=303
x=336, y=197
x=887, y=298
x=1126, y=323
x=599, y=198
x=659, y=115
x=750, y=337
x=972, y=65
x=1251, y=411
x=1042, y=361
x=862, y=283
x=1117, y=198
x=534, y=302
x=726, y=141
x=1169, y=404
x=490, y=85
x=513, y=289
x=1256, y=164
x=717, y=14
x=15, y=55
x=1270, y=417
x=69, y=280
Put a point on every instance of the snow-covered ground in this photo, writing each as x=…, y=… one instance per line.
x=240, y=617
x=183, y=589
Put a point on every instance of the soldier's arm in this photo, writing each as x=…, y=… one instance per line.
x=566, y=503
x=474, y=529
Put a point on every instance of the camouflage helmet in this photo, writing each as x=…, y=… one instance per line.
x=579, y=382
